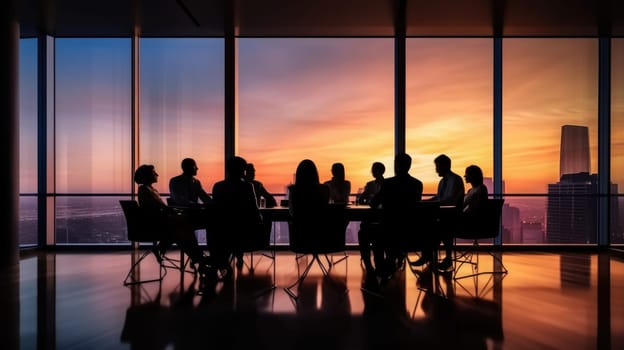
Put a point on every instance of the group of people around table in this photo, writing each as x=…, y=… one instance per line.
x=403, y=191
x=234, y=206
x=235, y=203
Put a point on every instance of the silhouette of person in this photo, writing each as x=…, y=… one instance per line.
x=396, y=196
x=450, y=192
x=185, y=189
x=308, y=201
x=236, y=213
x=175, y=228
x=475, y=198
x=339, y=187
x=261, y=192
x=307, y=194
x=372, y=187
x=370, y=229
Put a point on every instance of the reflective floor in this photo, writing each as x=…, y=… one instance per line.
x=545, y=301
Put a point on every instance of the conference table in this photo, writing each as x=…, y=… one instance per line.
x=352, y=212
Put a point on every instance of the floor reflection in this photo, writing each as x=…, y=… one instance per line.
x=70, y=300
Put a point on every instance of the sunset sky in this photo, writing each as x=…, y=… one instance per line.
x=329, y=100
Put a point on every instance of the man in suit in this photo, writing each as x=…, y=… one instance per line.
x=398, y=194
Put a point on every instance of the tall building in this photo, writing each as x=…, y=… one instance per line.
x=574, y=150
x=571, y=209
x=573, y=201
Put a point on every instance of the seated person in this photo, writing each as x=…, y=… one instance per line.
x=307, y=196
x=185, y=189
x=372, y=187
x=174, y=228
x=236, y=213
x=450, y=192
x=369, y=230
x=339, y=187
x=475, y=198
x=260, y=191
x=398, y=194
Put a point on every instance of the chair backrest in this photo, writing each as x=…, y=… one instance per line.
x=412, y=227
x=140, y=228
x=322, y=234
x=487, y=225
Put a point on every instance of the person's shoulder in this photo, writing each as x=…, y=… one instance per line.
x=416, y=181
x=175, y=179
x=219, y=183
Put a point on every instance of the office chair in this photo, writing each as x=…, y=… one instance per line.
x=142, y=230
x=488, y=228
x=255, y=239
x=417, y=230
x=322, y=234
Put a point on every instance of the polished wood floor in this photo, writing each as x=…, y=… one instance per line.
x=546, y=301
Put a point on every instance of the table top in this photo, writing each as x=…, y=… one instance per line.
x=353, y=212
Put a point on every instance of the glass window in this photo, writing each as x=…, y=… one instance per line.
x=182, y=107
x=326, y=99
x=550, y=119
x=449, y=106
x=92, y=134
x=93, y=110
x=617, y=139
x=90, y=220
x=28, y=141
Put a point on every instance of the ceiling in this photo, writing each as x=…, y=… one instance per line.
x=303, y=18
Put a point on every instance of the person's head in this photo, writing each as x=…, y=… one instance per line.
x=338, y=171
x=442, y=164
x=307, y=173
x=189, y=167
x=402, y=163
x=474, y=175
x=250, y=172
x=145, y=175
x=378, y=169
x=235, y=167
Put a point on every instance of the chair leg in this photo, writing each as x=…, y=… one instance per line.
x=468, y=257
x=131, y=277
x=300, y=279
x=252, y=266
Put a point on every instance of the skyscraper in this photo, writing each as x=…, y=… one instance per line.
x=572, y=209
x=571, y=206
x=574, y=151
